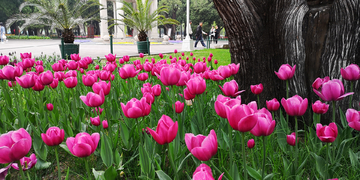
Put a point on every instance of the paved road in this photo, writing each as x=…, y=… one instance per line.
x=89, y=47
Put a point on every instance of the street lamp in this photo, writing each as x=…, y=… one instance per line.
x=188, y=43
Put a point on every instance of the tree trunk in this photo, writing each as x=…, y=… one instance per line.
x=319, y=36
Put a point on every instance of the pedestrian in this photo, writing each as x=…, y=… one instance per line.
x=217, y=34
x=212, y=34
x=2, y=32
x=188, y=29
x=199, y=33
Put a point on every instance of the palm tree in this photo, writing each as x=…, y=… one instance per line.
x=141, y=19
x=60, y=14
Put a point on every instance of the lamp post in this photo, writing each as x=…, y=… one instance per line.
x=188, y=43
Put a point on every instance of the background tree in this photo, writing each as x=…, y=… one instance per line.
x=319, y=36
x=7, y=9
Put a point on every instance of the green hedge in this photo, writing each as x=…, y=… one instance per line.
x=27, y=37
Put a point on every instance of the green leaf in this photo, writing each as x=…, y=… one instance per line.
x=124, y=134
x=106, y=150
x=269, y=176
x=182, y=162
x=144, y=160
x=67, y=173
x=110, y=173
x=320, y=165
x=40, y=147
x=253, y=173
x=99, y=175
x=40, y=164
x=353, y=159
x=162, y=175
x=234, y=172
x=64, y=146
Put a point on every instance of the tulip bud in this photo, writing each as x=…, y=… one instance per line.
x=105, y=124
x=95, y=121
x=256, y=89
x=251, y=143
x=320, y=108
x=291, y=139
x=50, y=107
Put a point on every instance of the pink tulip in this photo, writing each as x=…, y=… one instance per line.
x=251, y=143
x=46, y=78
x=28, y=63
x=179, y=106
x=182, y=54
x=75, y=57
x=25, y=55
x=105, y=124
x=89, y=80
x=57, y=67
x=53, y=136
x=110, y=57
x=216, y=61
x=59, y=75
x=225, y=71
x=63, y=62
x=291, y=139
x=143, y=76
x=256, y=89
x=214, y=75
x=88, y=60
x=196, y=85
x=166, y=130
x=104, y=75
x=353, y=119
x=332, y=90
x=351, y=72
x=295, y=106
x=128, y=71
x=241, y=117
x=10, y=73
x=220, y=107
x=194, y=58
x=135, y=108
x=10, y=84
x=191, y=54
x=149, y=98
x=126, y=58
x=202, y=147
x=98, y=110
x=141, y=55
x=72, y=65
x=203, y=172
x=273, y=105
x=175, y=51
x=265, y=124
x=161, y=55
x=170, y=57
x=184, y=78
x=327, y=133
x=26, y=81
x=93, y=99
x=187, y=94
x=169, y=76
x=26, y=163
x=200, y=67
x=14, y=145
x=83, y=64
x=156, y=90
x=4, y=60
x=231, y=89
x=102, y=85
x=320, y=108
x=70, y=82
x=71, y=73
x=285, y=72
x=83, y=144
x=319, y=82
x=95, y=121
x=39, y=63
x=148, y=66
x=209, y=59
x=55, y=83
x=38, y=86
x=97, y=67
x=49, y=106
x=39, y=69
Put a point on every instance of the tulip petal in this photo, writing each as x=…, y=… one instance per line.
x=5, y=155
x=247, y=123
x=82, y=150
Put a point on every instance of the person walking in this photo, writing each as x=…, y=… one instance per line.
x=199, y=33
x=2, y=32
x=188, y=29
x=217, y=34
x=212, y=34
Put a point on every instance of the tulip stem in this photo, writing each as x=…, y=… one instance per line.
x=21, y=170
x=217, y=169
x=264, y=157
x=87, y=168
x=334, y=112
x=57, y=161
x=230, y=144
x=351, y=96
x=296, y=142
x=327, y=160
x=243, y=154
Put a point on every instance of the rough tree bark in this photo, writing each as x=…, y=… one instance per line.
x=319, y=36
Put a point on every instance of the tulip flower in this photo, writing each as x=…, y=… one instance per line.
x=49, y=106
x=95, y=121
x=220, y=107
x=97, y=67
x=320, y=108
x=70, y=82
x=57, y=67
x=179, y=106
x=46, y=78
x=93, y=99
x=110, y=67
x=102, y=85
x=83, y=144
x=351, y=72
x=128, y=71
x=135, y=108
x=169, y=76
x=53, y=136
x=332, y=90
x=353, y=119
x=216, y=61
x=291, y=139
x=55, y=83
x=98, y=110
x=156, y=90
x=4, y=60
x=39, y=69
x=72, y=65
x=63, y=62
x=89, y=80
x=10, y=84
x=71, y=73
x=256, y=89
x=26, y=163
x=265, y=124
x=28, y=63
x=14, y=145
x=148, y=66
x=75, y=57
x=25, y=55
x=202, y=147
x=184, y=78
x=104, y=75
x=110, y=57
x=187, y=94
x=143, y=76
x=10, y=73
x=105, y=124
x=59, y=75
x=285, y=72
x=196, y=85
x=38, y=86
x=273, y=105
x=241, y=117
x=225, y=71
x=203, y=172
x=191, y=54
x=126, y=58
x=231, y=89
x=149, y=98
x=26, y=81
x=327, y=133
x=200, y=67
x=214, y=75
x=251, y=143
x=295, y=106
x=166, y=130
x=141, y=55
